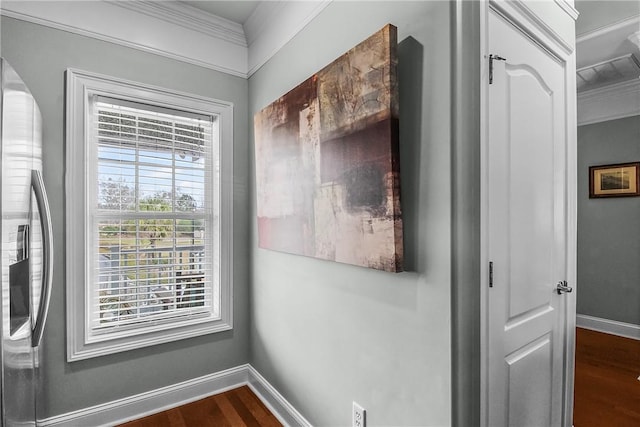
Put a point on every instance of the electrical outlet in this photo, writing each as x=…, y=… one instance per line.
x=359, y=418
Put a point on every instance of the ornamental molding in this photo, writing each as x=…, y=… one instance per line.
x=188, y=17
x=611, y=102
x=177, y=30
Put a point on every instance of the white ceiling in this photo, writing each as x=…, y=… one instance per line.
x=598, y=14
x=236, y=11
x=604, y=54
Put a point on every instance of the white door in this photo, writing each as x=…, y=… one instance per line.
x=526, y=230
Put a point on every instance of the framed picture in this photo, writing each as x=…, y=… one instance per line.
x=619, y=180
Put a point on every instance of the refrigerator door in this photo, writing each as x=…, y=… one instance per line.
x=20, y=125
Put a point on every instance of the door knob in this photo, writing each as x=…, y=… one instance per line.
x=562, y=287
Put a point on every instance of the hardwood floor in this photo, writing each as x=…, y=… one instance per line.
x=234, y=408
x=607, y=388
x=607, y=392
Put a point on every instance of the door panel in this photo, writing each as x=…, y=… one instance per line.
x=530, y=401
x=526, y=237
x=530, y=185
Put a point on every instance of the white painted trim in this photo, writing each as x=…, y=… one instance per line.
x=605, y=43
x=599, y=32
x=140, y=27
x=178, y=31
x=273, y=24
x=568, y=8
x=611, y=102
x=281, y=408
x=635, y=39
x=484, y=210
x=533, y=26
x=81, y=344
x=188, y=17
x=151, y=402
x=613, y=327
x=258, y=21
x=572, y=237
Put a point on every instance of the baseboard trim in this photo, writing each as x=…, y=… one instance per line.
x=627, y=330
x=281, y=408
x=144, y=404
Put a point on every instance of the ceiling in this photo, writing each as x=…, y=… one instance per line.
x=598, y=14
x=593, y=14
x=236, y=11
x=604, y=53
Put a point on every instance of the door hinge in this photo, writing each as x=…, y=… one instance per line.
x=492, y=58
x=491, y=274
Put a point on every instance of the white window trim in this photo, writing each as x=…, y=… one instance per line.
x=80, y=86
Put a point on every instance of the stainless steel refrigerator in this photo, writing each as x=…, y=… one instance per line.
x=26, y=249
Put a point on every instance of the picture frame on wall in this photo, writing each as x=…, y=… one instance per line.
x=614, y=180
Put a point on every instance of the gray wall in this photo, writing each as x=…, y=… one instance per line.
x=608, y=229
x=325, y=334
x=41, y=55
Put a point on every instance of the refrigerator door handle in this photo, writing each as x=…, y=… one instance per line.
x=47, y=256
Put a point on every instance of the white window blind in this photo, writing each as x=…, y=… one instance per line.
x=153, y=218
x=149, y=215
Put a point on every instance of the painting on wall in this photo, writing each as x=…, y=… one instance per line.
x=617, y=180
x=327, y=167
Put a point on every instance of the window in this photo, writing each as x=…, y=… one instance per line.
x=148, y=215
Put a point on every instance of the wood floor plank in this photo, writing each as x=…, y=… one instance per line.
x=205, y=412
x=228, y=410
x=258, y=409
x=174, y=418
x=239, y=407
x=607, y=390
x=242, y=410
x=160, y=419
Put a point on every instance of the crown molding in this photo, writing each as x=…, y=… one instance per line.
x=631, y=23
x=178, y=31
x=273, y=24
x=568, y=8
x=259, y=20
x=635, y=38
x=605, y=43
x=188, y=17
x=609, y=103
x=143, y=26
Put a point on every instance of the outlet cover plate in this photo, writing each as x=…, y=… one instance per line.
x=359, y=418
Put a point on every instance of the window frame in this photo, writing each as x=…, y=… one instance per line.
x=80, y=87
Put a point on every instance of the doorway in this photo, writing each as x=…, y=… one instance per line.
x=528, y=215
x=608, y=304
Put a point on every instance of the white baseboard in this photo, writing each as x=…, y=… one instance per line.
x=627, y=330
x=286, y=413
x=144, y=404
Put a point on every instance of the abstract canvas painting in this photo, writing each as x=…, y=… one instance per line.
x=327, y=168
